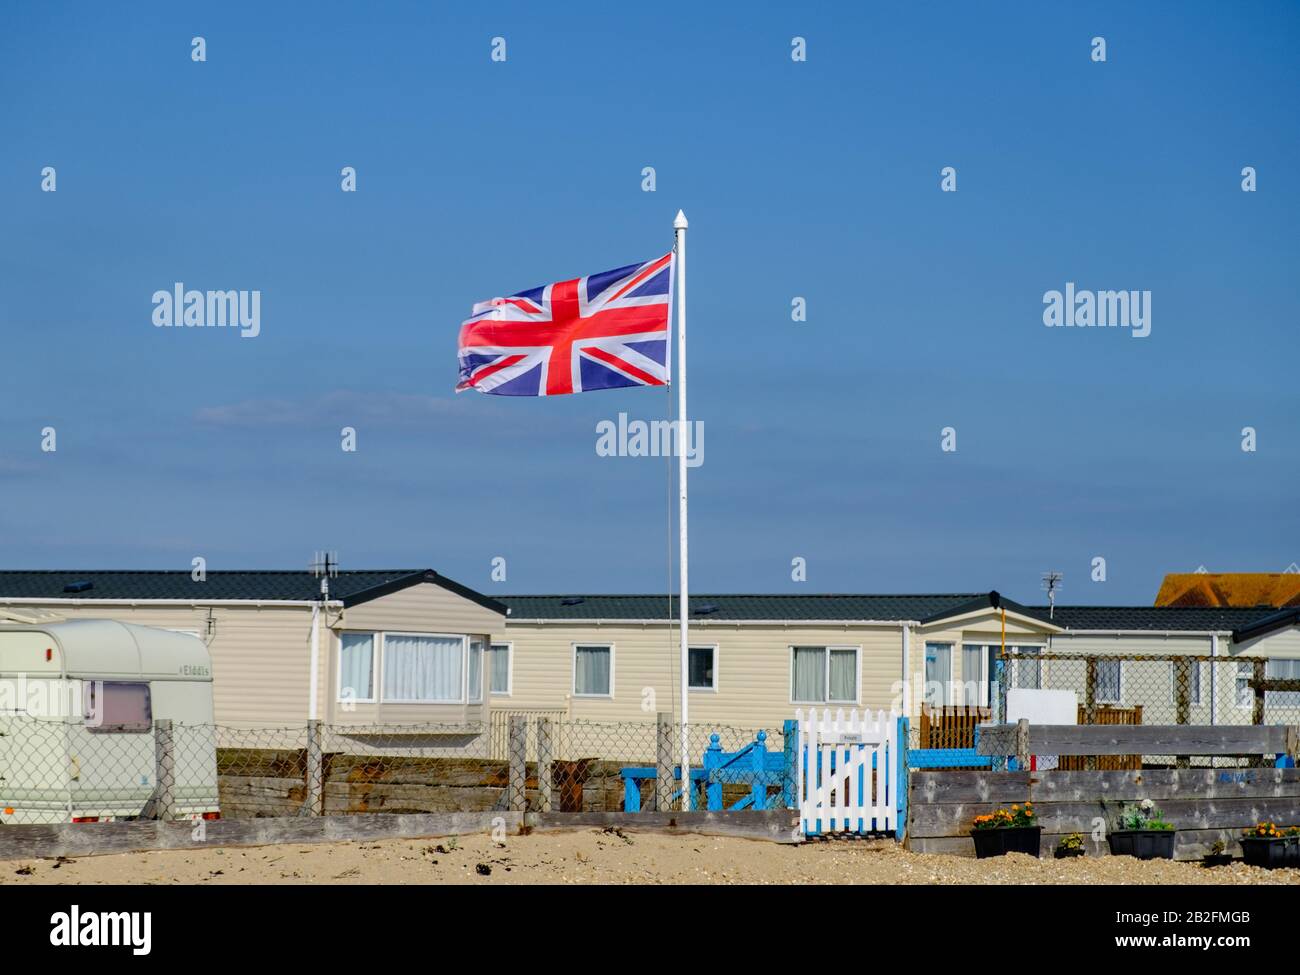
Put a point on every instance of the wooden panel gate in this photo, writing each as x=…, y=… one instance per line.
x=850, y=776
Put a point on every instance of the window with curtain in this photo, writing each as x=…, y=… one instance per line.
x=475, y=671
x=1194, y=672
x=357, y=667
x=976, y=667
x=701, y=668
x=423, y=668
x=499, y=665
x=843, y=679
x=938, y=673
x=824, y=675
x=1109, y=681
x=1027, y=668
x=592, y=667
x=808, y=675
x=1245, y=693
x=1282, y=670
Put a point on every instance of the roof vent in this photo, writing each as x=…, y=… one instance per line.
x=704, y=609
x=82, y=586
x=572, y=600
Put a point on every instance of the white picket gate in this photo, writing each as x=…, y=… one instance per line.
x=848, y=777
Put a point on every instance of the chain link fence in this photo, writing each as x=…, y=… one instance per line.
x=1160, y=689
x=61, y=770
x=1117, y=689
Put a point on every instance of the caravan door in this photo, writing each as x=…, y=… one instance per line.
x=111, y=751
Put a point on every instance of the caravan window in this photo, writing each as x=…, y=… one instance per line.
x=423, y=668
x=356, y=667
x=500, y=668
x=1282, y=670
x=824, y=675
x=938, y=674
x=475, y=671
x=117, y=706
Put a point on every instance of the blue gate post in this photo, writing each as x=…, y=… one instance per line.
x=758, y=787
x=631, y=794
x=901, y=780
x=790, y=735
x=713, y=784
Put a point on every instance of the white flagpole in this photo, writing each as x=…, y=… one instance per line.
x=679, y=229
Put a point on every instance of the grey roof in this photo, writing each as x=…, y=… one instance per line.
x=840, y=606
x=254, y=585
x=736, y=606
x=361, y=585
x=1269, y=623
x=1204, y=618
x=989, y=600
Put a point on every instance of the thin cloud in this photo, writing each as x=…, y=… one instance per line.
x=17, y=468
x=338, y=406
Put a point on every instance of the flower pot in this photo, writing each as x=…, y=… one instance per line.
x=1145, y=844
x=1216, y=859
x=1068, y=854
x=1266, y=852
x=1293, y=851
x=997, y=842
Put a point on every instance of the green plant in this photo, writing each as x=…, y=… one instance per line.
x=1017, y=817
x=1144, y=817
x=1217, y=848
x=1074, y=841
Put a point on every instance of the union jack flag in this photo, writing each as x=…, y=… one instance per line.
x=599, y=332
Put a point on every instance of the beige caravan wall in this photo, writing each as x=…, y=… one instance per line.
x=1279, y=643
x=752, y=669
x=423, y=608
x=260, y=656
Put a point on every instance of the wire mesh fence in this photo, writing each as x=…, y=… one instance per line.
x=57, y=770
x=61, y=770
x=1159, y=689
x=1115, y=689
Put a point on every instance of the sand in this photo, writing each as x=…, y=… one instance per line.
x=608, y=857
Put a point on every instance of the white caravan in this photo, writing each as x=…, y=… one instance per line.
x=78, y=701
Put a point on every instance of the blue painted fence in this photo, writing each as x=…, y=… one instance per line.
x=753, y=765
x=929, y=758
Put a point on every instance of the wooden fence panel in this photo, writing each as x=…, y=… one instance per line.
x=951, y=726
x=1069, y=739
x=1206, y=804
x=1107, y=714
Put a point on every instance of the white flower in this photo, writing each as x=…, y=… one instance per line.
x=1147, y=805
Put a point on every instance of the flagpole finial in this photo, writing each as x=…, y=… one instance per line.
x=680, y=222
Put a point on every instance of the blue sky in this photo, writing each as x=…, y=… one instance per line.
x=817, y=179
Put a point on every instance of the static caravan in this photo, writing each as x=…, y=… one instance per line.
x=78, y=701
